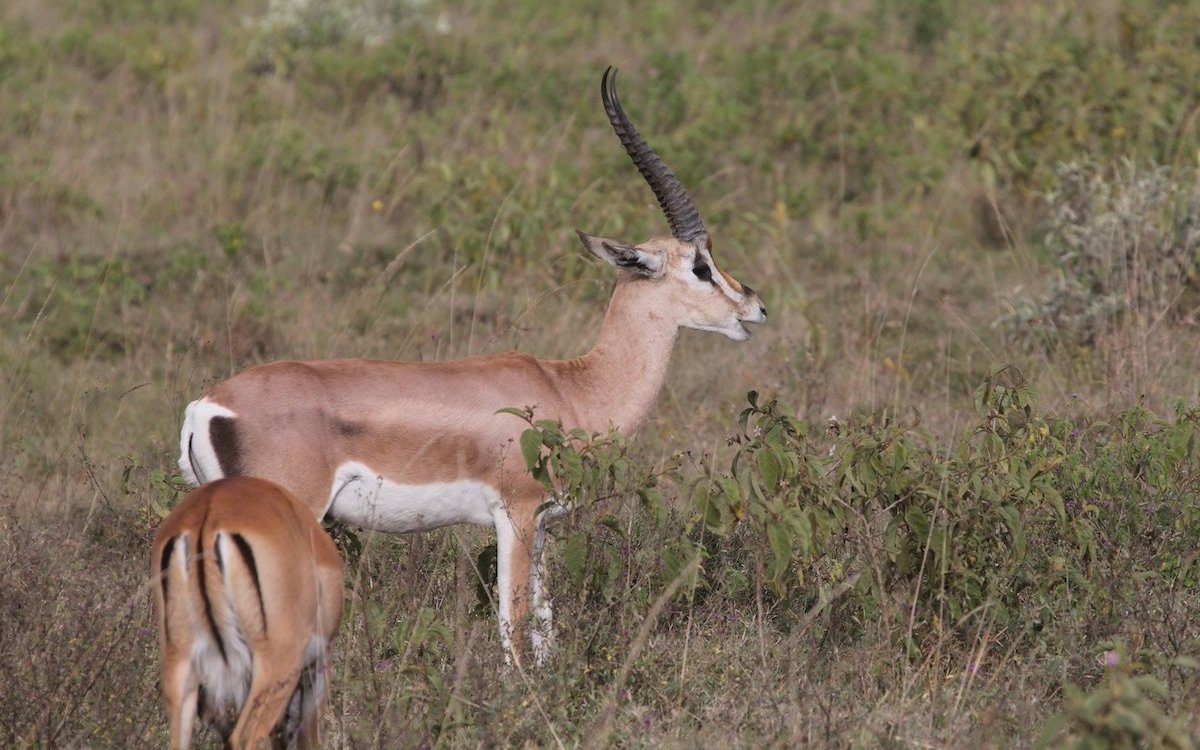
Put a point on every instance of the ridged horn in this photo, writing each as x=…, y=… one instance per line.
x=676, y=204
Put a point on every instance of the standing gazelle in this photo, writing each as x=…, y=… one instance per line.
x=248, y=590
x=408, y=446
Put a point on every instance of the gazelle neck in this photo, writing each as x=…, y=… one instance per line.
x=616, y=384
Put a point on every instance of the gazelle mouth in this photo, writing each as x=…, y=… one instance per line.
x=746, y=332
x=758, y=318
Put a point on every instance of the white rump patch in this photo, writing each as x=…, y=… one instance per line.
x=360, y=496
x=197, y=458
x=226, y=679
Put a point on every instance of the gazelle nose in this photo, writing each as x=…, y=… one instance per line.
x=749, y=291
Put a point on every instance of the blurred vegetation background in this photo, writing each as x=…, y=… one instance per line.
x=925, y=193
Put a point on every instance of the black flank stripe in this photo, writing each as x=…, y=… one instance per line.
x=222, y=431
x=349, y=429
x=248, y=557
x=208, y=610
x=163, y=579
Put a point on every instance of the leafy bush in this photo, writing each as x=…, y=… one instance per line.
x=1128, y=248
x=1020, y=515
x=291, y=27
x=883, y=507
x=597, y=472
x=1023, y=511
x=1041, y=531
x=1122, y=712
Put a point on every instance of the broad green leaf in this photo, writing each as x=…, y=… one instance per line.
x=159, y=509
x=730, y=489
x=531, y=447
x=768, y=467
x=781, y=541
x=652, y=500
x=1012, y=519
x=575, y=556
x=918, y=522
x=804, y=534
x=522, y=413
x=570, y=466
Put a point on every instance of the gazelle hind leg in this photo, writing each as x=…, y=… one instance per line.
x=311, y=698
x=181, y=690
x=266, y=703
x=314, y=681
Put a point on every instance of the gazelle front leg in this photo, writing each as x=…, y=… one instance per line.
x=516, y=532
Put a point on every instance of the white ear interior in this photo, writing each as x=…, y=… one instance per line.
x=621, y=254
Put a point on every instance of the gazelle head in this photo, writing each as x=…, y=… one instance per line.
x=695, y=291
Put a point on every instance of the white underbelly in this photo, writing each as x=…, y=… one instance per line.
x=361, y=497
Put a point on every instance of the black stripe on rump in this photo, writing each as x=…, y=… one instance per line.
x=217, y=553
x=248, y=557
x=208, y=610
x=164, y=579
x=222, y=431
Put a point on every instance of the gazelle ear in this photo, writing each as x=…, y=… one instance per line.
x=621, y=254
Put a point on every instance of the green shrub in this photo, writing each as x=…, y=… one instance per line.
x=596, y=473
x=292, y=29
x=1127, y=245
x=1123, y=711
x=1022, y=511
x=1043, y=532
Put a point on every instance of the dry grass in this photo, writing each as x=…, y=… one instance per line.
x=181, y=197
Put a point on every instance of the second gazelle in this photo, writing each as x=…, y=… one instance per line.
x=409, y=446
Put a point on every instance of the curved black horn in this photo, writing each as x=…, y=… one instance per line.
x=676, y=204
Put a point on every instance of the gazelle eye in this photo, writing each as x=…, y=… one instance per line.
x=702, y=271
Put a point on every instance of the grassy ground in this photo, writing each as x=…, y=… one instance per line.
x=923, y=193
